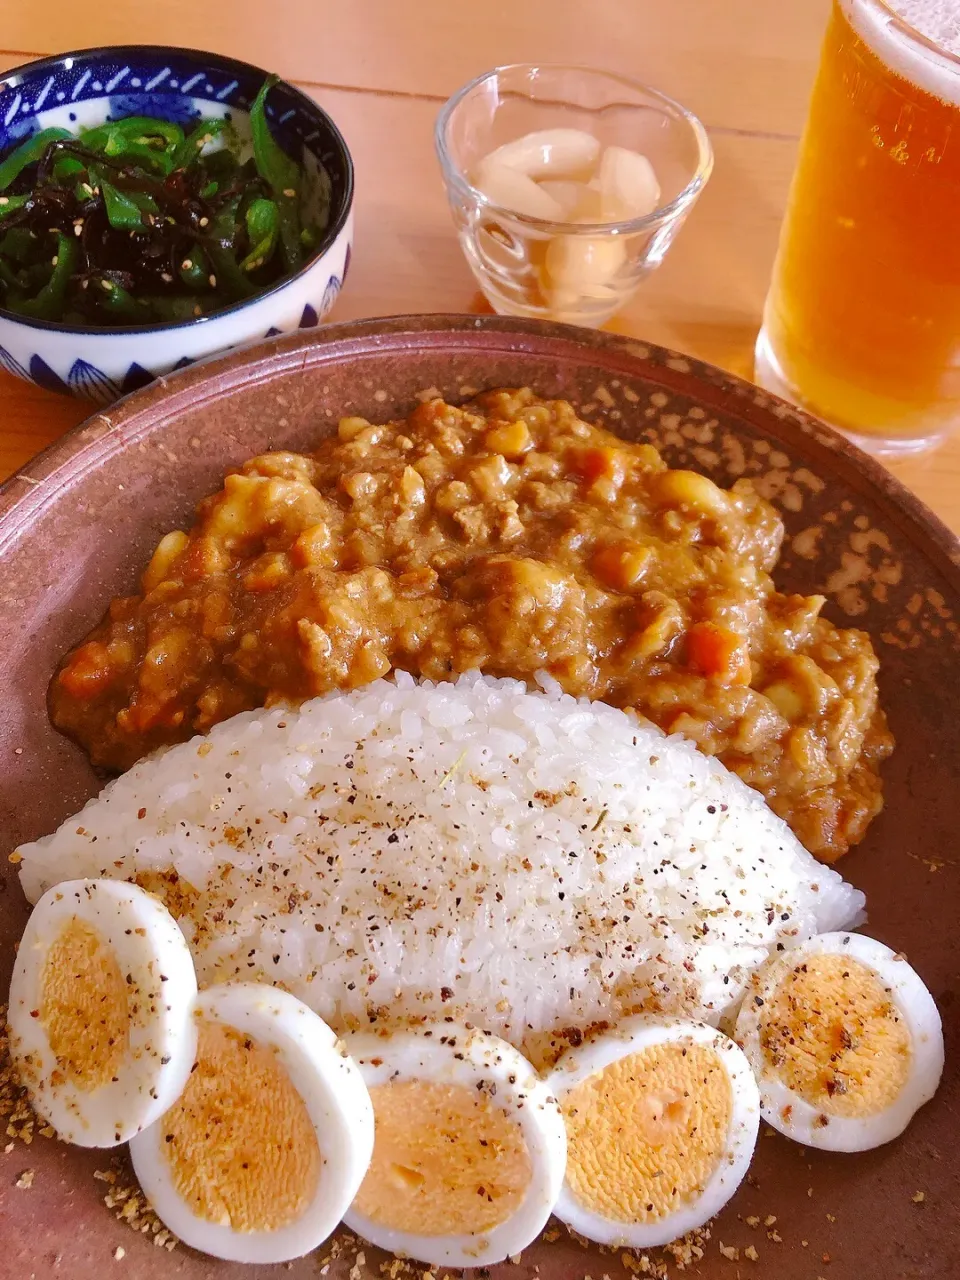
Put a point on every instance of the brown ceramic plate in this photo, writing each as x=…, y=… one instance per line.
x=78, y=523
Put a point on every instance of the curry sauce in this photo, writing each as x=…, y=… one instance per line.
x=511, y=537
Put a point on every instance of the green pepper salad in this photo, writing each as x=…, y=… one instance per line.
x=136, y=222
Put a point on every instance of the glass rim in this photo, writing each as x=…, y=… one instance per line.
x=911, y=32
x=657, y=217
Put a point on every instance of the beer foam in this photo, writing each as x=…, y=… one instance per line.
x=936, y=71
x=938, y=20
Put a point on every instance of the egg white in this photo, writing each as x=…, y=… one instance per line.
x=153, y=956
x=336, y=1101
x=632, y=1036
x=451, y=1054
x=791, y=1114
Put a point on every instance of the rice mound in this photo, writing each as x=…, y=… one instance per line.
x=524, y=861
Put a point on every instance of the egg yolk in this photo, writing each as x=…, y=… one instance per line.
x=83, y=1007
x=242, y=1150
x=646, y=1133
x=446, y=1161
x=833, y=1035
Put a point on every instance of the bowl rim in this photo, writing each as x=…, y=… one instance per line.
x=39, y=65
x=657, y=217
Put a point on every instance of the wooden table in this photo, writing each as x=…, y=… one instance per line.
x=383, y=67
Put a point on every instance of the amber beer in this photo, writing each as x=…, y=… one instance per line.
x=862, y=322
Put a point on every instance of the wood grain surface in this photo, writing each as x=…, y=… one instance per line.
x=382, y=68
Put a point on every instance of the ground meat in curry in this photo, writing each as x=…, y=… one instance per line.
x=508, y=536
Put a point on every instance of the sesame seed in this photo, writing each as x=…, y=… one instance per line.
x=212, y=280
x=289, y=192
x=186, y=264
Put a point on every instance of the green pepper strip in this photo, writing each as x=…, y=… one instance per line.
x=221, y=167
x=223, y=224
x=28, y=152
x=123, y=214
x=10, y=204
x=231, y=281
x=172, y=308
x=117, y=301
x=197, y=275
x=135, y=141
x=9, y=277
x=282, y=174
x=310, y=237
x=160, y=162
x=149, y=200
x=67, y=167
x=193, y=144
x=144, y=201
x=19, y=244
x=263, y=222
x=218, y=246
x=35, y=275
x=48, y=303
x=131, y=129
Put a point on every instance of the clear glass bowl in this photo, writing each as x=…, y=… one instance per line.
x=506, y=250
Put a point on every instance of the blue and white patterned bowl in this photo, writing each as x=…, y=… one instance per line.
x=94, y=85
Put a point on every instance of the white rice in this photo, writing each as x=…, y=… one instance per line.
x=523, y=861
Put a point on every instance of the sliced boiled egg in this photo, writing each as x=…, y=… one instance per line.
x=100, y=1010
x=469, y=1151
x=661, y=1122
x=265, y=1148
x=845, y=1040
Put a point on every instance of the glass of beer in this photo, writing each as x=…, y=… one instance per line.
x=862, y=322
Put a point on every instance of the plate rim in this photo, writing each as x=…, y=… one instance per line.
x=145, y=415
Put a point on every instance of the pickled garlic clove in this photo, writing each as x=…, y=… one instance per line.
x=551, y=153
x=510, y=189
x=580, y=265
x=628, y=185
x=580, y=202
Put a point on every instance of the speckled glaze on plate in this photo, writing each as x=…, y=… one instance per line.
x=79, y=522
